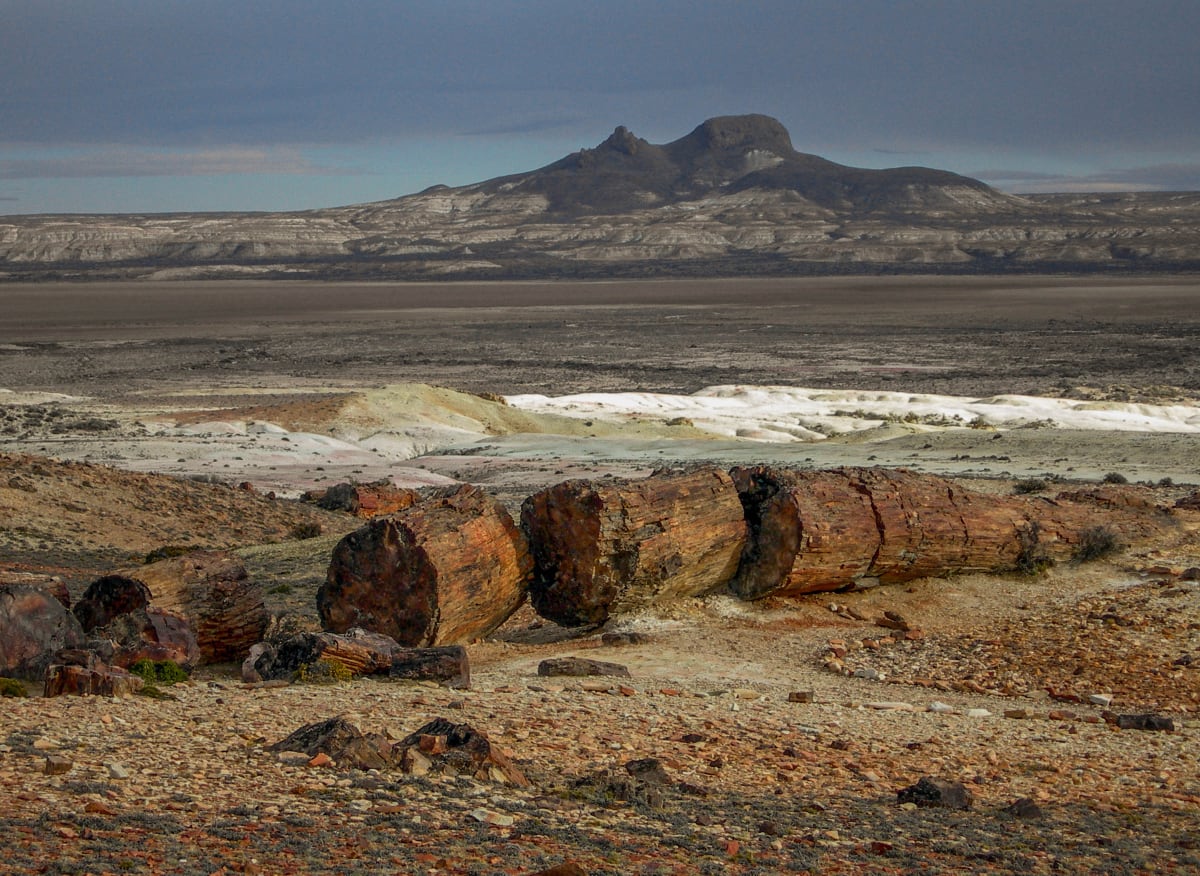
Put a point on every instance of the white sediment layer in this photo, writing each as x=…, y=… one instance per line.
x=786, y=413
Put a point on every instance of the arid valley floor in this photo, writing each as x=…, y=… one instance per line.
x=131, y=411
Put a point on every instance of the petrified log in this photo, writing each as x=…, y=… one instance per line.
x=368, y=500
x=33, y=626
x=153, y=634
x=82, y=673
x=447, y=570
x=602, y=549
x=342, y=741
x=361, y=653
x=853, y=527
x=209, y=588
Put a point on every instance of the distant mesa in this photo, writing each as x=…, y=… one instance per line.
x=731, y=198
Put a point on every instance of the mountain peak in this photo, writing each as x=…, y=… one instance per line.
x=623, y=140
x=742, y=133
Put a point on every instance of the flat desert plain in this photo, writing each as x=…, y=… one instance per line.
x=130, y=410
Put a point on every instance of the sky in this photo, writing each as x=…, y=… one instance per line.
x=197, y=105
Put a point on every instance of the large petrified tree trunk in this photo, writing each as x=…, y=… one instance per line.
x=209, y=588
x=607, y=548
x=33, y=626
x=445, y=571
x=837, y=529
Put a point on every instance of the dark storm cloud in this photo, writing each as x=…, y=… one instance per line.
x=871, y=72
x=134, y=163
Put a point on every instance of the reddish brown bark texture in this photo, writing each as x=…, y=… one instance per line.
x=856, y=527
x=445, y=571
x=606, y=548
x=210, y=589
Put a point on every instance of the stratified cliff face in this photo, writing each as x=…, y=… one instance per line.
x=733, y=196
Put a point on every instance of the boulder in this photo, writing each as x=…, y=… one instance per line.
x=34, y=625
x=445, y=571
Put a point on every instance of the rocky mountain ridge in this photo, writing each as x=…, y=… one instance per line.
x=731, y=197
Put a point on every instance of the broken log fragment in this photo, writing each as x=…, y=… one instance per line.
x=361, y=653
x=368, y=500
x=447, y=570
x=149, y=633
x=209, y=588
x=603, y=549
x=79, y=672
x=580, y=667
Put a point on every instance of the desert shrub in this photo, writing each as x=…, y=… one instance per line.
x=303, y=531
x=11, y=687
x=1030, y=485
x=168, y=551
x=322, y=672
x=1032, y=558
x=283, y=589
x=1115, y=477
x=1095, y=543
x=159, y=671
x=1166, y=482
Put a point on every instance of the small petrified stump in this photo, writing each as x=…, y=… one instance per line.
x=605, y=548
x=82, y=673
x=210, y=589
x=1146, y=722
x=361, y=653
x=931, y=791
x=33, y=626
x=581, y=667
x=445, y=571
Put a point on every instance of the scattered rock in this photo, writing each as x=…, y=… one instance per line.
x=581, y=666
x=1026, y=808
x=1146, y=722
x=932, y=791
x=57, y=765
x=800, y=696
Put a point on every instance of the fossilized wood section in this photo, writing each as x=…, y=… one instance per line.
x=445, y=571
x=812, y=531
x=33, y=626
x=606, y=548
x=78, y=672
x=212, y=591
x=368, y=500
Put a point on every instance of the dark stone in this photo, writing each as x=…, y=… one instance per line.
x=579, y=666
x=1025, y=808
x=1146, y=722
x=648, y=769
x=931, y=791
